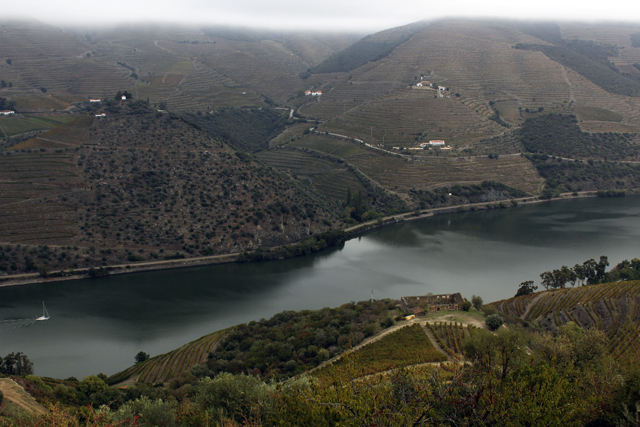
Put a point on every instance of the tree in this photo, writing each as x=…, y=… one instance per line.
x=509, y=349
x=151, y=413
x=579, y=270
x=589, y=268
x=526, y=288
x=91, y=385
x=8, y=61
x=494, y=321
x=476, y=301
x=601, y=267
x=466, y=305
x=43, y=89
x=141, y=357
x=16, y=364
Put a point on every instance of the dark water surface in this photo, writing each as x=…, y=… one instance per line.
x=99, y=325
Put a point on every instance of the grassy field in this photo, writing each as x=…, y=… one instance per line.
x=162, y=368
x=612, y=307
x=17, y=125
x=406, y=346
x=597, y=114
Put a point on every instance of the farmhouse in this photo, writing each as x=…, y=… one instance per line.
x=442, y=88
x=7, y=112
x=101, y=115
x=424, y=83
x=94, y=100
x=443, y=302
x=436, y=143
x=310, y=93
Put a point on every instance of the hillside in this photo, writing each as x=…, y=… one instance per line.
x=184, y=67
x=518, y=119
x=611, y=307
x=139, y=185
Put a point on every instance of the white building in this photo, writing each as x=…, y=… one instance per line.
x=7, y=112
x=437, y=143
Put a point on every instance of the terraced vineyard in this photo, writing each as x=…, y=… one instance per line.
x=164, y=367
x=28, y=211
x=402, y=175
x=403, y=115
x=612, y=307
x=327, y=177
x=407, y=346
x=68, y=135
x=450, y=336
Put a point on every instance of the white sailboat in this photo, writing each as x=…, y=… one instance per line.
x=45, y=313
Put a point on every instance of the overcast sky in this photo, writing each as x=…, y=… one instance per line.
x=359, y=15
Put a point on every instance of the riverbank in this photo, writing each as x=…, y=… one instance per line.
x=64, y=275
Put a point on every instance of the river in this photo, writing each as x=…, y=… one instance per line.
x=99, y=325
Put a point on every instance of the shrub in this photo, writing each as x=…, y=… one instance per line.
x=494, y=321
x=489, y=310
x=466, y=306
x=238, y=397
x=147, y=412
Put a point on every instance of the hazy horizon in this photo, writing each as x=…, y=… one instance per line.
x=356, y=16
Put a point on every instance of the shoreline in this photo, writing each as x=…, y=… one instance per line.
x=353, y=231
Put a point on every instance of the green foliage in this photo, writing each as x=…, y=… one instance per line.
x=236, y=397
x=494, y=321
x=626, y=270
x=92, y=384
x=6, y=105
x=526, y=288
x=307, y=246
x=245, y=129
x=462, y=194
x=563, y=175
x=560, y=135
x=16, y=364
x=466, y=305
x=477, y=302
x=147, y=412
x=291, y=342
x=406, y=346
x=141, y=357
x=590, y=270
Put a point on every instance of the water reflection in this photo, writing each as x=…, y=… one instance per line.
x=99, y=325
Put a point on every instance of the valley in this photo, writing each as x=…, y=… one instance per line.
x=220, y=194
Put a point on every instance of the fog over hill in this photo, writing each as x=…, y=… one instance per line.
x=333, y=15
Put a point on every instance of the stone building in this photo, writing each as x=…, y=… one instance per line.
x=422, y=304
